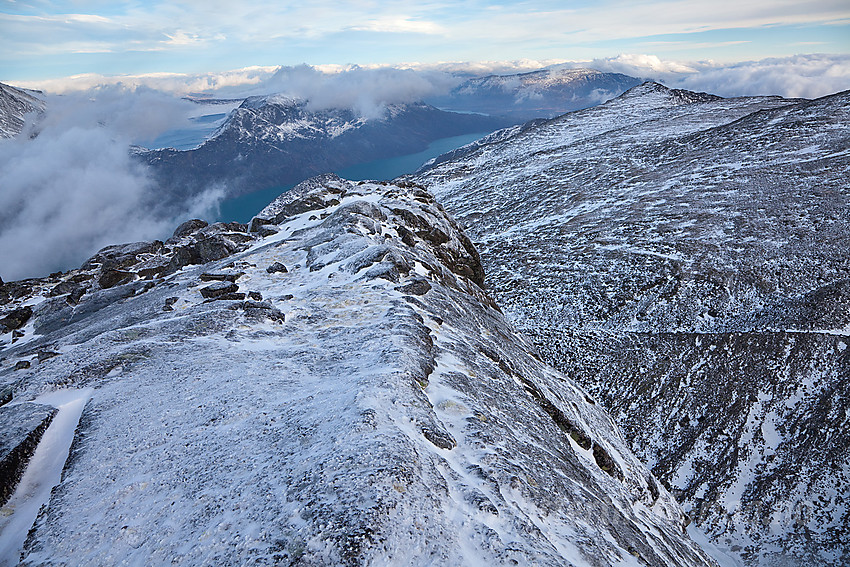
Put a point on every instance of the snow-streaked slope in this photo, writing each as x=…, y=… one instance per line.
x=366, y=403
x=684, y=257
x=14, y=105
x=544, y=93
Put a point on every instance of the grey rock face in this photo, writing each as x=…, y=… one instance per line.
x=346, y=419
x=684, y=258
x=15, y=319
x=22, y=426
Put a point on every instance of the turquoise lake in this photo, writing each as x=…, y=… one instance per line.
x=245, y=207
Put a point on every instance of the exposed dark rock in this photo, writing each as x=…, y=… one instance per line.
x=215, y=248
x=277, y=267
x=75, y=295
x=188, y=228
x=218, y=289
x=10, y=291
x=112, y=278
x=22, y=426
x=22, y=365
x=220, y=276
x=406, y=236
x=121, y=256
x=15, y=319
x=267, y=230
x=258, y=222
x=261, y=310
x=63, y=288
x=416, y=287
x=46, y=355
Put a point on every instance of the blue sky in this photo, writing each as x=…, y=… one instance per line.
x=49, y=39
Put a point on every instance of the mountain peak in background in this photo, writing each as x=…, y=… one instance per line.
x=538, y=94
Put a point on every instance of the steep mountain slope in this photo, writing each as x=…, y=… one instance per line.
x=539, y=94
x=14, y=105
x=275, y=140
x=333, y=388
x=684, y=258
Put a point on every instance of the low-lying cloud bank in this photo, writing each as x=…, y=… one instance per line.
x=71, y=187
x=806, y=76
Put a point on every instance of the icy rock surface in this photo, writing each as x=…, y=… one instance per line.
x=684, y=257
x=15, y=104
x=391, y=417
x=22, y=426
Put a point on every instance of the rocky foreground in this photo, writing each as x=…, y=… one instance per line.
x=329, y=386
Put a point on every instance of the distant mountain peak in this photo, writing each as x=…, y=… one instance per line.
x=544, y=93
x=675, y=96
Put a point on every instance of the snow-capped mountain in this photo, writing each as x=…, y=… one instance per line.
x=331, y=386
x=539, y=94
x=684, y=257
x=14, y=105
x=275, y=140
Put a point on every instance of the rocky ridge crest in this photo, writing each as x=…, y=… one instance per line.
x=332, y=386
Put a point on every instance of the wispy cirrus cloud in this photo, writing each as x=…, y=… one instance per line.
x=190, y=36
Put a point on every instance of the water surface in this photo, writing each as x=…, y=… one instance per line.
x=245, y=207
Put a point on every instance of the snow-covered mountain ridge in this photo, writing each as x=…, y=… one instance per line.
x=329, y=386
x=275, y=140
x=684, y=258
x=539, y=94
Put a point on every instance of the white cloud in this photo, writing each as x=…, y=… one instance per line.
x=175, y=24
x=74, y=188
x=807, y=76
x=371, y=86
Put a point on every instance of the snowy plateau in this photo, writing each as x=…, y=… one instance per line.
x=684, y=258
x=330, y=385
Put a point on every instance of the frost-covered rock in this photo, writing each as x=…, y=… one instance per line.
x=684, y=257
x=22, y=426
x=389, y=415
